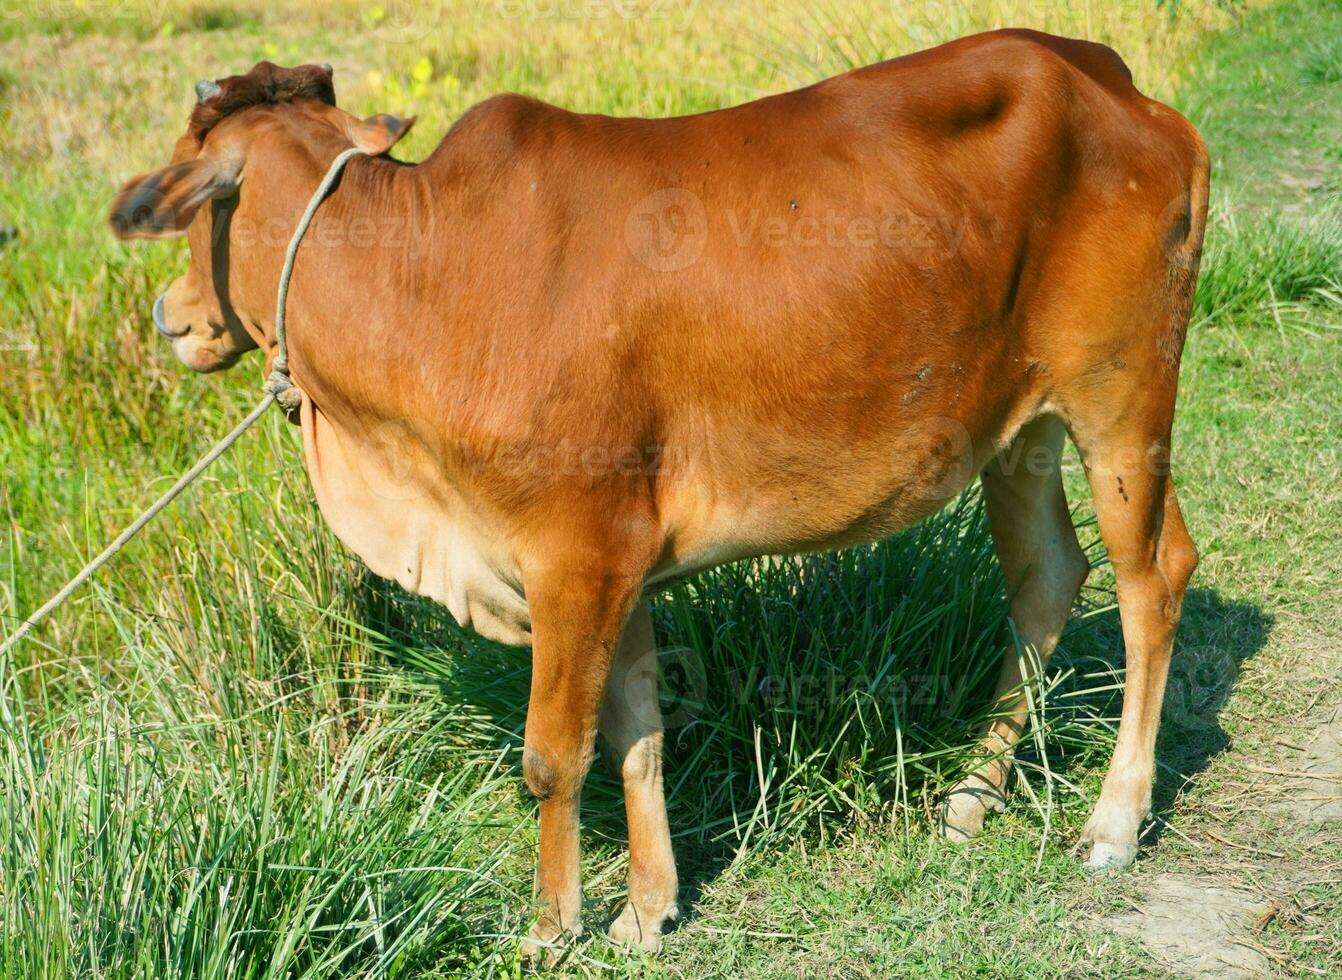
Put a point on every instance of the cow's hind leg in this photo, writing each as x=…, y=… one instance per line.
x=1153, y=558
x=1044, y=568
x=631, y=723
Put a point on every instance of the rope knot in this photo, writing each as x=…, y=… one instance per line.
x=287, y=395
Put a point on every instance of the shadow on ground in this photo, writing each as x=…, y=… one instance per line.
x=1216, y=637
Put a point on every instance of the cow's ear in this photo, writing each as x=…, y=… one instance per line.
x=161, y=204
x=378, y=134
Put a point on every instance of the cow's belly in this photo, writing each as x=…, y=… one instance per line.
x=710, y=530
x=382, y=514
x=740, y=499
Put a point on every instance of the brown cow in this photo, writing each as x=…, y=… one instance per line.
x=568, y=357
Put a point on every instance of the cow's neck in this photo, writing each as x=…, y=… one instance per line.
x=367, y=275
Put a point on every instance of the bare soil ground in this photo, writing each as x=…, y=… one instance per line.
x=1259, y=870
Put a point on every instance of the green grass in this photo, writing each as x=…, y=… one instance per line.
x=291, y=852
x=1290, y=267
x=239, y=754
x=1264, y=96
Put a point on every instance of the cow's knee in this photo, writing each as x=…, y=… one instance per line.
x=538, y=773
x=551, y=775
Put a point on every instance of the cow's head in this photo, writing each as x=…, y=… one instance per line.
x=252, y=147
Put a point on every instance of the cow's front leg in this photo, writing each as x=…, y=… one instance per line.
x=631, y=723
x=576, y=621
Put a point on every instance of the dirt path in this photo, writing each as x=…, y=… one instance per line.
x=1258, y=878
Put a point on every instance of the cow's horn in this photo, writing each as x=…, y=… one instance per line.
x=326, y=67
x=206, y=90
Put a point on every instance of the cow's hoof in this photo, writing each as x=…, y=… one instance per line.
x=1101, y=856
x=966, y=806
x=640, y=931
x=547, y=944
